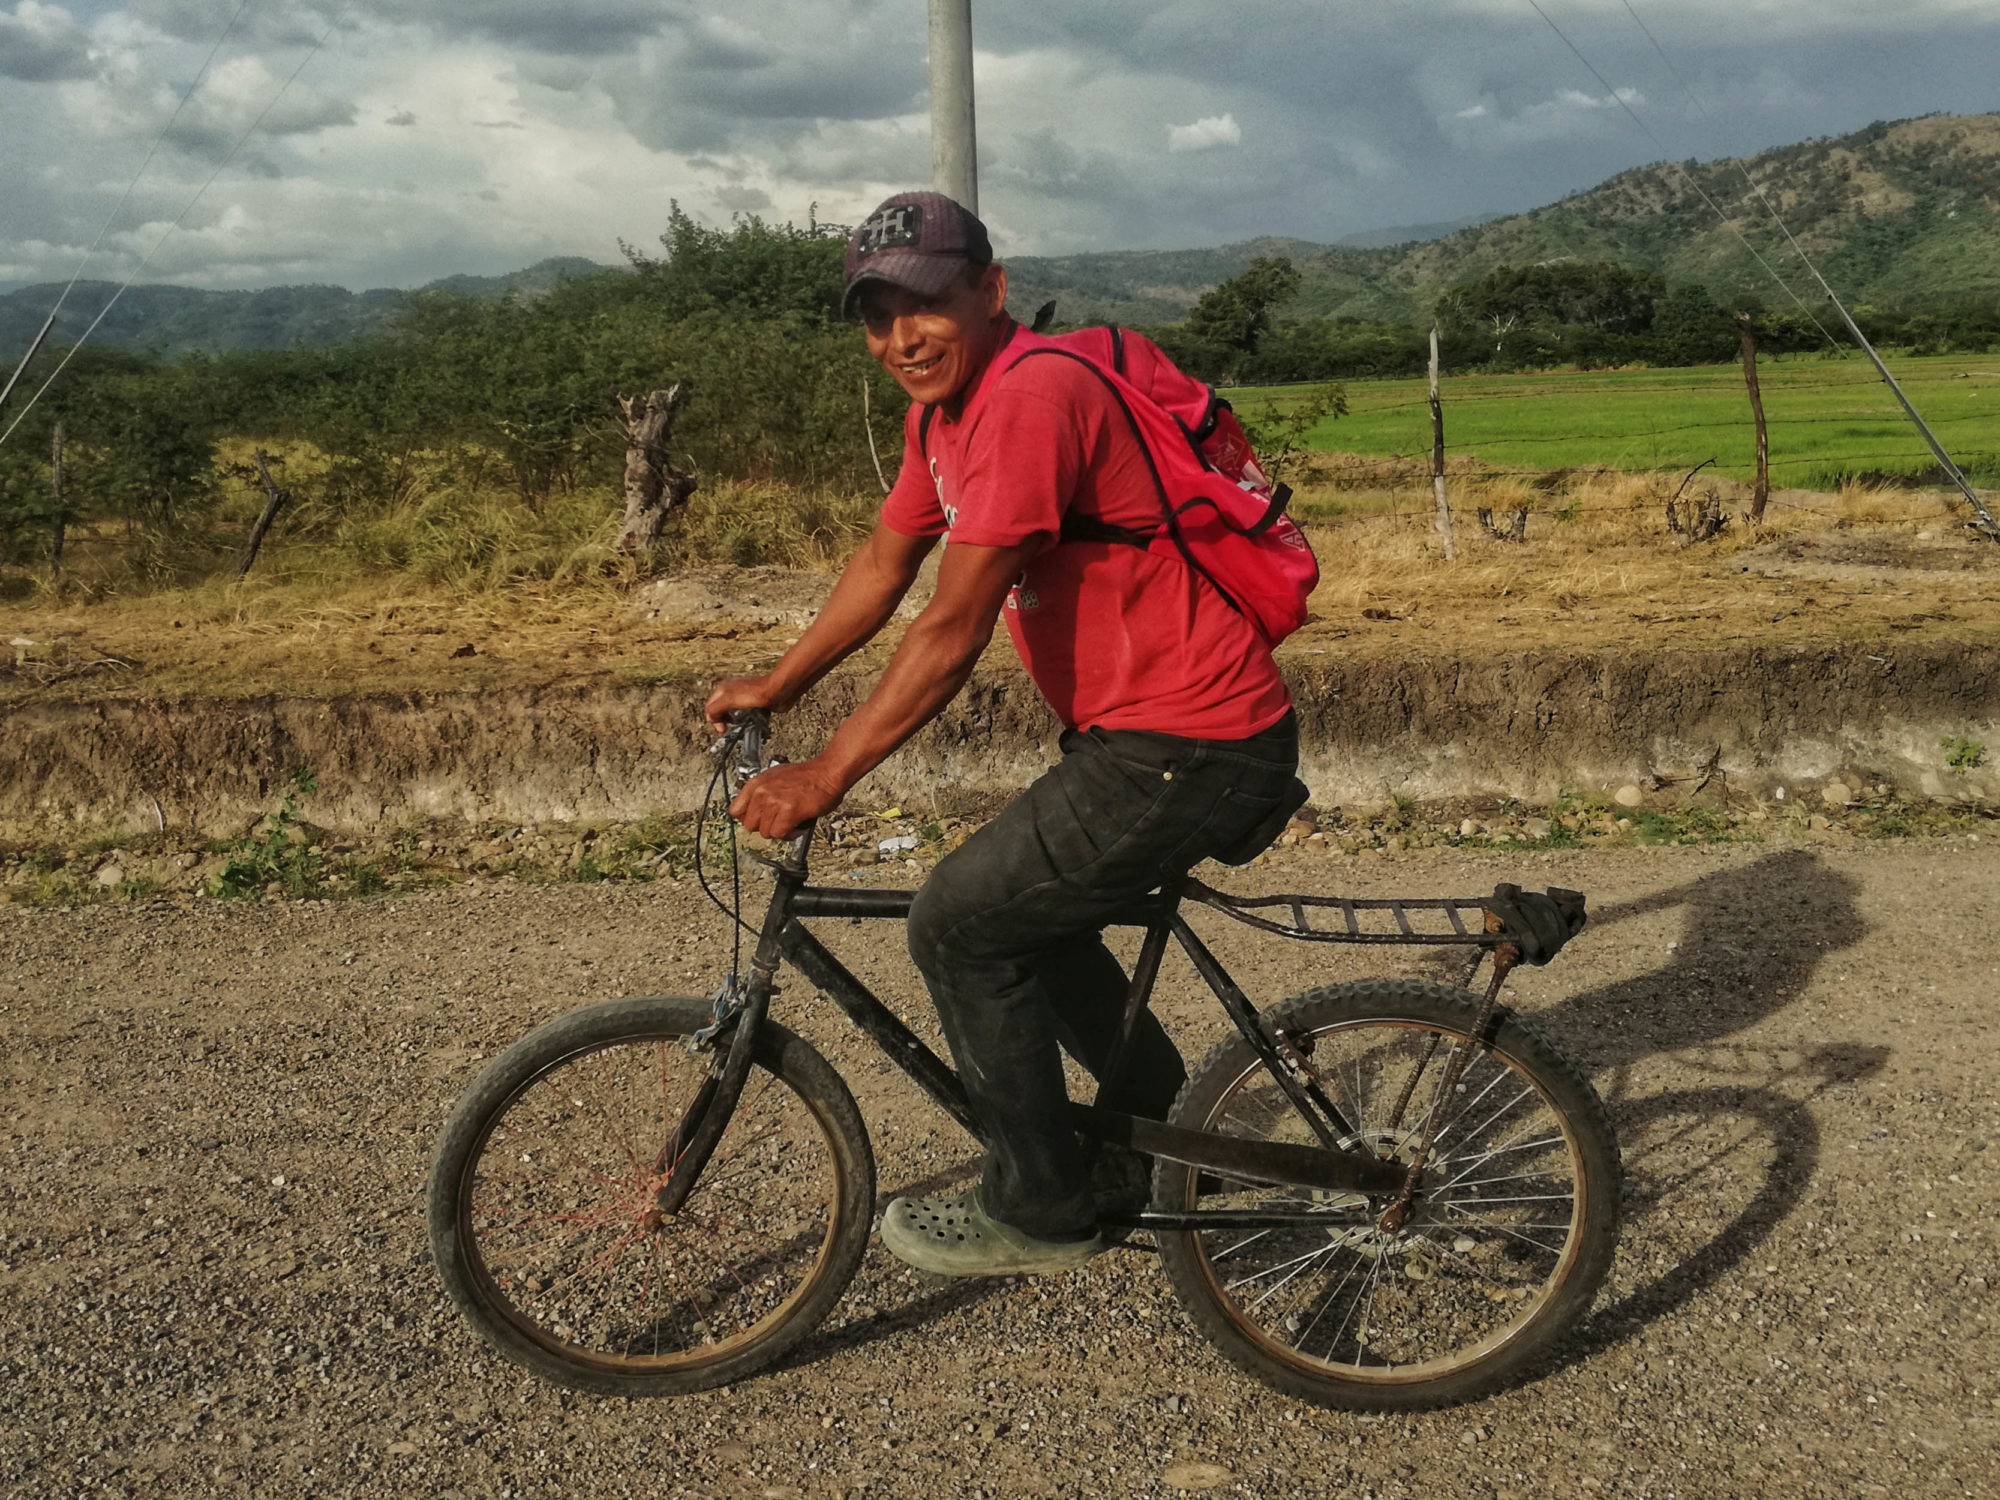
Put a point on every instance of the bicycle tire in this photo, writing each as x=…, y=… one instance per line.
x=541, y=1210
x=1471, y=1274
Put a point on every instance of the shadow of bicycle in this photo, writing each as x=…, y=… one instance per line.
x=1718, y=1135
x=867, y=1319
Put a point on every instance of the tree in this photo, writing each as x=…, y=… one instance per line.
x=1693, y=328
x=751, y=268
x=1606, y=295
x=1237, y=314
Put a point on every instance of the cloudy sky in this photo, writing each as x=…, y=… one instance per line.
x=433, y=136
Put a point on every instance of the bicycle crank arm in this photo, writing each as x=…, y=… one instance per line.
x=1225, y=1218
x=1257, y=1161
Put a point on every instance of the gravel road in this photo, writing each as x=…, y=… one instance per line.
x=217, y=1119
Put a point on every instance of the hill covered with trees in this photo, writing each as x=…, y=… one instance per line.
x=1896, y=213
x=1899, y=216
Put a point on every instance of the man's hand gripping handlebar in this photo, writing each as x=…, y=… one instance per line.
x=770, y=798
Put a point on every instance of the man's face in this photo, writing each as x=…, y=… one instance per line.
x=934, y=346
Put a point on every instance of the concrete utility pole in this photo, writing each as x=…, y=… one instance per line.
x=954, y=145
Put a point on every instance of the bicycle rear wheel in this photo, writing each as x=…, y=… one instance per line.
x=543, y=1203
x=1506, y=1244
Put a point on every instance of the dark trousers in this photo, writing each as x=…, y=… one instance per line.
x=1007, y=934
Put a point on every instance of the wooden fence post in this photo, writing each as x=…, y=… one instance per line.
x=652, y=487
x=61, y=518
x=1437, y=454
x=274, y=499
x=1761, y=495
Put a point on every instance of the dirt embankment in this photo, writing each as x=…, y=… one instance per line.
x=1524, y=723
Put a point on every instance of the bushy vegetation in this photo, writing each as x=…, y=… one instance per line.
x=464, y=396
x=478, y=440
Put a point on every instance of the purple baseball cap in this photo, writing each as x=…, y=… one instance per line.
x=921, y=242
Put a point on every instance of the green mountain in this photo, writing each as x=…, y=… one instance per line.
x=175, y=319
x=1896, y=212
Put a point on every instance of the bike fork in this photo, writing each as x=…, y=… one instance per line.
x=707, y=1116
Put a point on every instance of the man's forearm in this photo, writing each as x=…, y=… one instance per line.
x=932, y=663
x=862, y=602
x=930, y=666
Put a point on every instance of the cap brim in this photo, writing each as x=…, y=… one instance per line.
x=925, y=275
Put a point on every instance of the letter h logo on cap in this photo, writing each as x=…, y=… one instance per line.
x=891, y=227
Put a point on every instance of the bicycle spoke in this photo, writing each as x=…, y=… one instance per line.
x=1474, y=1162
x=1240, y=1244
x=565, y=1221
x=1462, y=1270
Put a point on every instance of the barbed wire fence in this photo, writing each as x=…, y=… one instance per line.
x=1415, y=468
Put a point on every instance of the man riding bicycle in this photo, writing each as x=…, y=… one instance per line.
x=1179, y=740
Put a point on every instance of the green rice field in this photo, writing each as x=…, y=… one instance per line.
x=1831, y=420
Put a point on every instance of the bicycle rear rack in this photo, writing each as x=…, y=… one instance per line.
x=1362, y=920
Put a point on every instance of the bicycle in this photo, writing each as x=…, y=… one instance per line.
x=1380, y=1195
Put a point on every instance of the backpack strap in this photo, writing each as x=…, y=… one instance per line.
x=1168, y=514
x=1281, y=496
x=1216, y=407
x=924, y=432
x=1117, y=349
x=1082, y=528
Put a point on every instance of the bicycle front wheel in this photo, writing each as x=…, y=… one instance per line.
x=544, y=1215
x=1511, y=1233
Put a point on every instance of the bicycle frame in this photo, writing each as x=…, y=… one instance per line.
x=1342, y=1163
x=1337, y=1166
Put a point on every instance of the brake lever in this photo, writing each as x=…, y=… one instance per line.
x=747, y=736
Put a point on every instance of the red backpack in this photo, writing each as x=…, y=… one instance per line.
x=1208, y=419
x=1218, y=513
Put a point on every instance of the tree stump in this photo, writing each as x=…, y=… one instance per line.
x=653, y=487
x=274, y=500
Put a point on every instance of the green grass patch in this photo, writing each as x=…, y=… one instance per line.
x=279, y=852
x=1830, y=420
x=1962, y=754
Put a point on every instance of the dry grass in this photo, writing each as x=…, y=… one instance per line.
x=1599, y=557
x=390, y=596
x=387, y=594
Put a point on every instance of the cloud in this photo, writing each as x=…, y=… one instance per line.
x=572, y=27
x=744, y=200
x=1205, y=134
x=561, y=126
x=1569, y=114
x=43, y=43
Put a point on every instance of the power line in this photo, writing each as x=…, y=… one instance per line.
x=1742, y=170
x=1985, y=522
x=1659, y=145
x=152, y=151
x=311, y=53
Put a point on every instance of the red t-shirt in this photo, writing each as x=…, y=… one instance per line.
x=1115, y=636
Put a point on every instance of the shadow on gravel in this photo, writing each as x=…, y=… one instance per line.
x=1753, y=938
x=857, y=1332
x=1678, y=1144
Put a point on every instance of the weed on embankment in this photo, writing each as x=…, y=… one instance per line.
x=287, y=858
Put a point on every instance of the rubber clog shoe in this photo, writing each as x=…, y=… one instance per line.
x=954, y=1237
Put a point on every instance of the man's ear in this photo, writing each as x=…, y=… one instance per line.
x=993, y=290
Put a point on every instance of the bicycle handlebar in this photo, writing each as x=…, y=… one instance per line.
x=748, y=736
